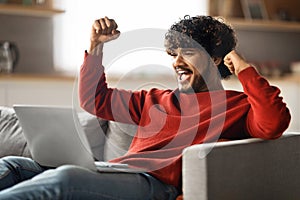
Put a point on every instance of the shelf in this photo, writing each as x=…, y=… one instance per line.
x=36, y=77
x=35, y=11
x=236, y=12
x=264, y=25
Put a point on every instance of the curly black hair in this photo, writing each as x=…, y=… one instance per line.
x=216, y=37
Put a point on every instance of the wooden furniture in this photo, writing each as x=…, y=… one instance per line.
x=282, y=15
x=37, y=10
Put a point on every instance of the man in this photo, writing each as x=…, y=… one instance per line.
x=199, y=111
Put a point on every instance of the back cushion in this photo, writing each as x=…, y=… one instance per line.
x=118, y=139
x=94, y=129
x=12, y=141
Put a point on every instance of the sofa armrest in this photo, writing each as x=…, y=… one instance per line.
x=243, y=169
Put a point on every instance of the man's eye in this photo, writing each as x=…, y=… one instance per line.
x=188, y=53
x=173, y=54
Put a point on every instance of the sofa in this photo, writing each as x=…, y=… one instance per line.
x=235, y=170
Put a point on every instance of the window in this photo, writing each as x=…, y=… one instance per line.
x=72, y=29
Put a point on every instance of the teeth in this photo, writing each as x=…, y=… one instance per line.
x=180, y=76
x=181, y=70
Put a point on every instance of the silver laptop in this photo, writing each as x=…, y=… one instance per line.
x=55, y=137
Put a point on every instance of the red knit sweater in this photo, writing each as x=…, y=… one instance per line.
x=169, y=120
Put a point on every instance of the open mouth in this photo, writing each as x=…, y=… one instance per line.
x=183, y=73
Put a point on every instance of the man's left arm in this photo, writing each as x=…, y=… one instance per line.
x=268, y=116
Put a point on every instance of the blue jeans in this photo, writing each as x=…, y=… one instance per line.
x=22, y=178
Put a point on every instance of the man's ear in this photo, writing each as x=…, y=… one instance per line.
x=217, y=60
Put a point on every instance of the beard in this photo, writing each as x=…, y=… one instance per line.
x=197, y=84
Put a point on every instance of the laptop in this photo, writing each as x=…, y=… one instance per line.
x=55, y=137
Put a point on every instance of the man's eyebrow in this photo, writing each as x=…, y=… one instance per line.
x=193, y=49
x=170, y=51
x=189, y=49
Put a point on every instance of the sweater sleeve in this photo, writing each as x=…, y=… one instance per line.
x=268, y=116
x=108, y=103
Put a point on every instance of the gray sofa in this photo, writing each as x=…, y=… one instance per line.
x=233, y=170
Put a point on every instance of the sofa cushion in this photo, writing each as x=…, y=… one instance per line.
x=94, y=129
x=12, y=141
x=118, y=139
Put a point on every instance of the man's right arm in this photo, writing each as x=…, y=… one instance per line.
x=94, y=95
x=103, y=30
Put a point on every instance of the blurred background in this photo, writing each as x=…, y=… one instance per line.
x=47, y=39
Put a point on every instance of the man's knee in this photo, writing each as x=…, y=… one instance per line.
x=16, y=161
x=9, y=163
x=4, y=166
x=12, y=170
